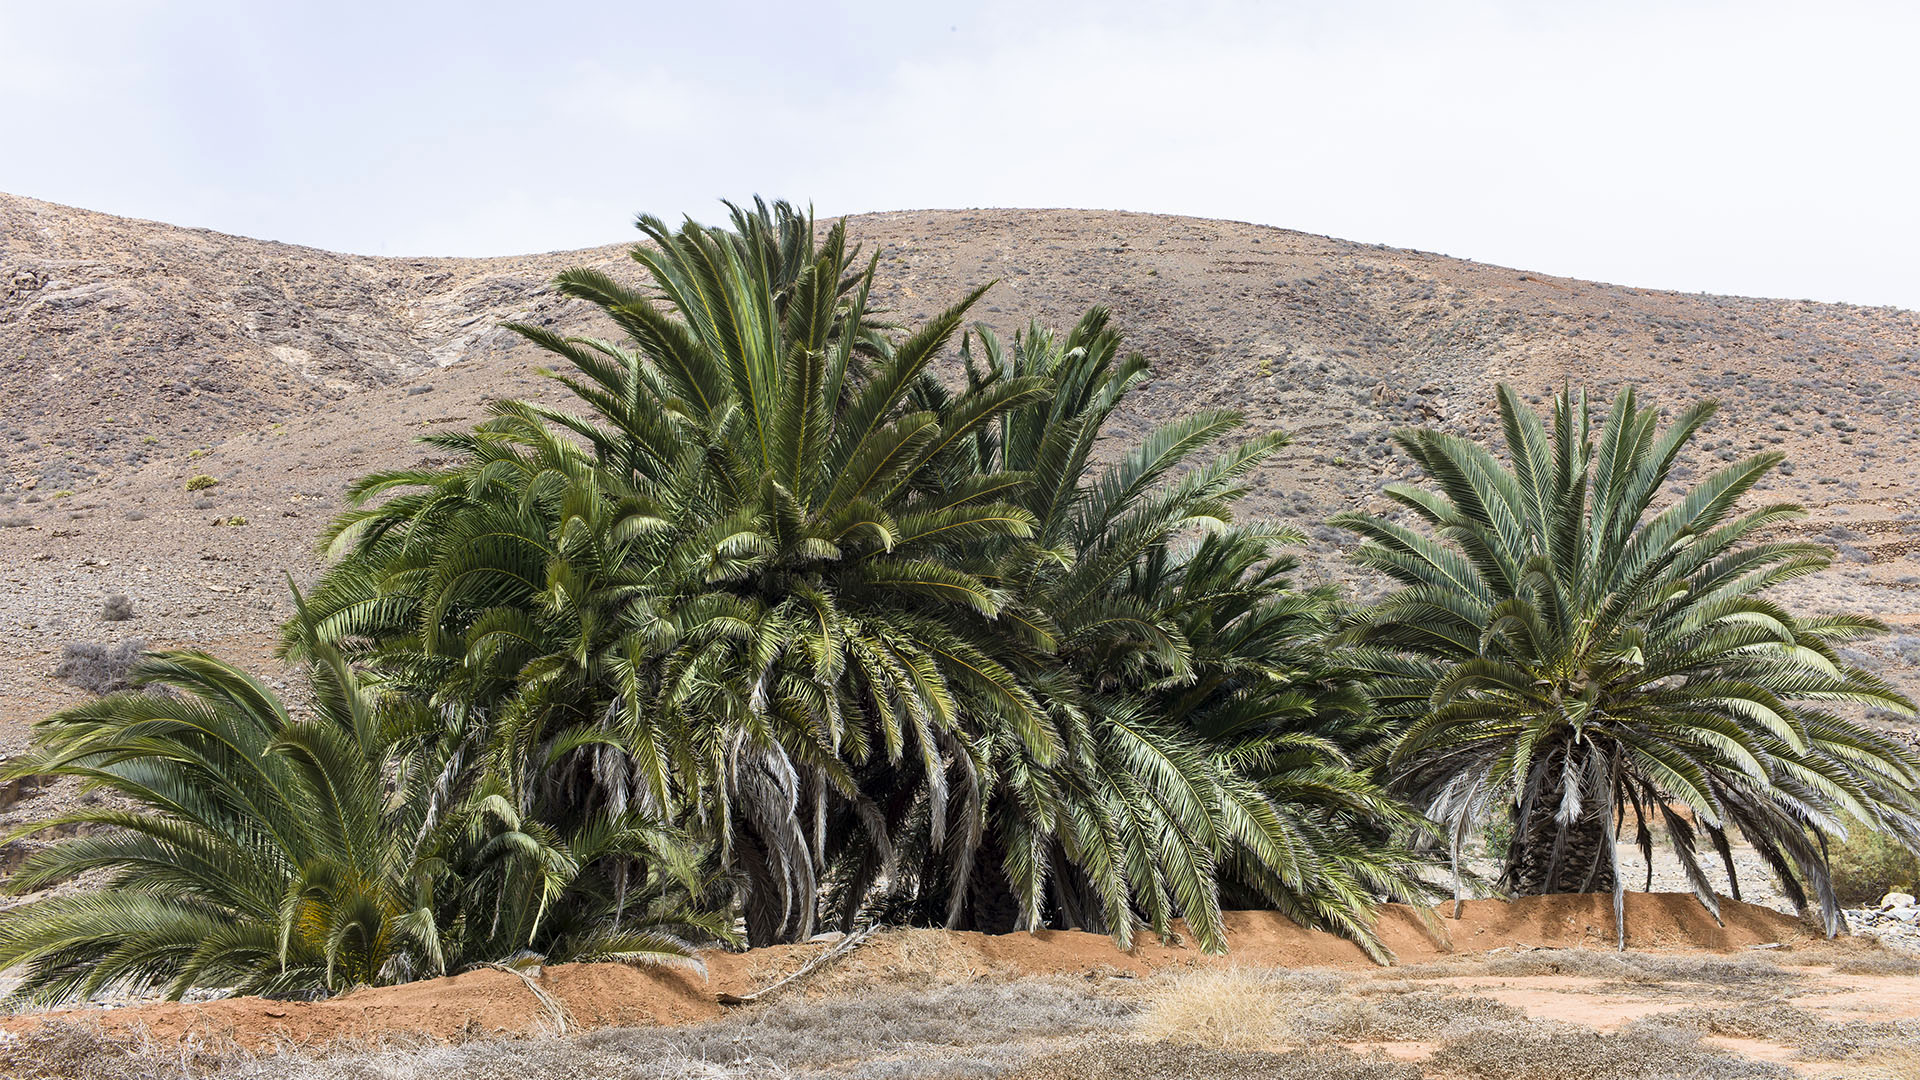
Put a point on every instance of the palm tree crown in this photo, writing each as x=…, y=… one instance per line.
x=1568, y=649
x=744, y=568
x=270, y=854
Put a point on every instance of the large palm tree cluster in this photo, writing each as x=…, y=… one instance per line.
x=1574, y=650
x=772, y=620
x=881, y=638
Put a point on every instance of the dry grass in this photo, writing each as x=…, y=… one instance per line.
x=1853, y=956
x=1212, y=1024
x=1231, y=1008
x=1174, y=1061
x=971, y=1030
x=83, y=1052
x=1881, y=961
x=1538, y=1050
x=797, y=1033
x=1816, y=1037
x=1251, y=1009
x=1897, y=1064
x=1745, y=976
x=1775, y=1022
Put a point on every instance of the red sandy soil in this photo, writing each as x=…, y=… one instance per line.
x=489, y=1002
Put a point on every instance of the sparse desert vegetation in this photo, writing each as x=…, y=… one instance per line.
x=792, y=613
x=1224, y=1023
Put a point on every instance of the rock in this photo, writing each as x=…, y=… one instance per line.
x=1896, y=900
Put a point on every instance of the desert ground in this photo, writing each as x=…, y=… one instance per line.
x=137, y=358
x=1530, y=990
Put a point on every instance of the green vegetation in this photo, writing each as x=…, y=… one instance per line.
x=201, y=482
x=773, y=623
x=898, y=642
x=1563, y=649
x=274, y=855
x=1868, y=865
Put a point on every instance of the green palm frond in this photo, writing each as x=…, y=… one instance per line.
x=1562, y=640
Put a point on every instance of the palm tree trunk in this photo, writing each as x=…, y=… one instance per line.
x=991, y=906
x=1581, y=863
x=771, y=850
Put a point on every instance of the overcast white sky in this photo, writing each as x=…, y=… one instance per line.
x=1729, y=147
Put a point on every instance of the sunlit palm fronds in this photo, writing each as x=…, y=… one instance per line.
x=1574, y=644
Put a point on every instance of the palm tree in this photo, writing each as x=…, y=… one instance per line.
x=1177, y=673
x=738, y=571
x=269, y=854
x=1563, y=647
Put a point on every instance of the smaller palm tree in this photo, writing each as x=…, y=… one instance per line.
x=1563, y=647
x=269, y=854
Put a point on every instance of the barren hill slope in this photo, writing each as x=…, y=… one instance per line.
x=134, y=356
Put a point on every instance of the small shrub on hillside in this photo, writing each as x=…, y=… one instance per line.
x=15, y=521
x=201, y=482
x=1868, y=865
x=1906, y=647
x=99, y=668
x=116, y=608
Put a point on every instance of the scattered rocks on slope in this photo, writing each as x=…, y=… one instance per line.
x=1895, y=921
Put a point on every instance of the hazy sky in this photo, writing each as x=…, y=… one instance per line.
x=1738, y=147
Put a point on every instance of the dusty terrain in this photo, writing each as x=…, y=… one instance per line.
x=1472, y=998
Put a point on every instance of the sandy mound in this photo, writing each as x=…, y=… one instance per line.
x=469, y=1005
x=493, y=1002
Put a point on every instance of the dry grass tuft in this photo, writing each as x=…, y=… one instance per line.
x=1882, y=961
x=1173, y=1061
x=1896, y=1064
x=1248, y=1009
x=1817, y=1038
x=1776, y=1022
x=1232, y=1008
x=1538, y=1050
x=1854, y=956
x=84, y=1052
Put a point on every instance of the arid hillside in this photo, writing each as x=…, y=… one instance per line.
x=136, y=357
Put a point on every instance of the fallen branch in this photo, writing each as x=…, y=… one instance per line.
x=555, y=1008
x=840, y=948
